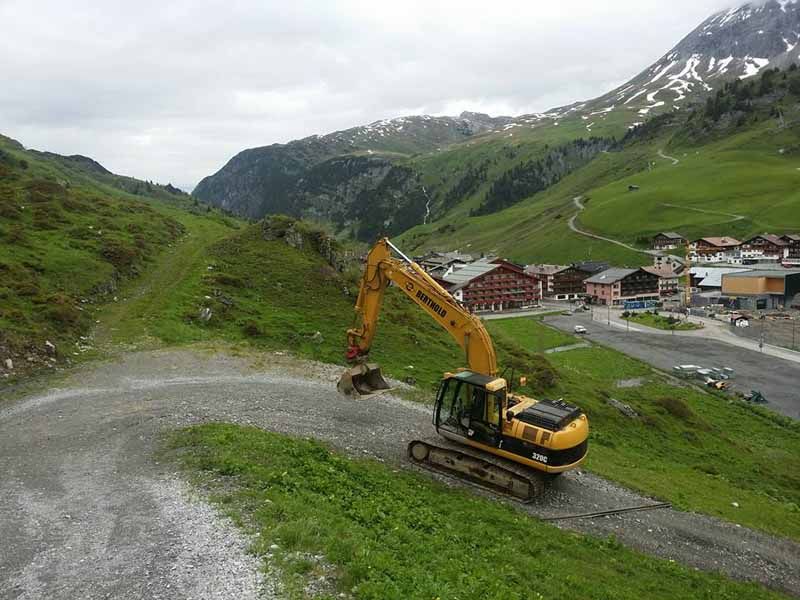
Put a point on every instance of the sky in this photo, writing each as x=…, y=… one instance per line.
x=169, y=91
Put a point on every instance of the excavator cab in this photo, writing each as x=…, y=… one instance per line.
x=470, y=405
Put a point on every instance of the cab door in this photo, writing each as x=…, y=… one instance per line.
x=469, y=411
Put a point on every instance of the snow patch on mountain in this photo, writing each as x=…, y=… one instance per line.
x=752, y=66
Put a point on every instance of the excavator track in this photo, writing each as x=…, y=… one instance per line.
x=478, y=468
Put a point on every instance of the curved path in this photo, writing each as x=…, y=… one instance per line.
x=580, y=206
x=674, y=160
x=89, y=513
x=734, y=217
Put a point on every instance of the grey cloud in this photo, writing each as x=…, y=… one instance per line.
x=171, y=92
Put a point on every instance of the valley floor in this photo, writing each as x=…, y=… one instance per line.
x=90, y=512
x=774, y=371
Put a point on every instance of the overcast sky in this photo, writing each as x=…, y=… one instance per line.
x=169, y=91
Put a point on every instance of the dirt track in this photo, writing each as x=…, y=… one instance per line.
x=89, y=513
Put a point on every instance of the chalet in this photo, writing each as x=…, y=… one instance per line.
x=615, y=286
x=668, y=240
x=546, y=273
x=591, y=267
x=569, y=283
x=764, y=247
x=791, y=253
x=715, y=249
x=437, y=264
x=664, y=262
x=668, y=281
x=499, y=285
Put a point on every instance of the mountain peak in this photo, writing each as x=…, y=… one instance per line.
x=737, y=42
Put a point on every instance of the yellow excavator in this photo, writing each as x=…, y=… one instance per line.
x=494, y=438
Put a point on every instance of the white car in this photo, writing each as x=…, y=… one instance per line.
x=580, y=329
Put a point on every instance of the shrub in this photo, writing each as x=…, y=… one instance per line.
x=63, y=314
x=226, y=279
x=123, y=256
x=252, y=329
x=675, y=407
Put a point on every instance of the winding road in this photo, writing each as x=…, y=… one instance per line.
x=580, y=206
x=88, y=511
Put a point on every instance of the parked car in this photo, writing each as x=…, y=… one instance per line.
x=580, y=329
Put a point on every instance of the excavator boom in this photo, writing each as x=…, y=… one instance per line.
x=382, y=269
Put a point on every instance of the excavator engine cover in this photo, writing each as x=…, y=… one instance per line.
x=363, y=379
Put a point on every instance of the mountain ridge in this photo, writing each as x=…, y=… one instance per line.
x=736, y=43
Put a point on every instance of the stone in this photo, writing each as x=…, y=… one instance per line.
x=9, y=364
x=206, y=314
x=51, y=348
x=625, y=409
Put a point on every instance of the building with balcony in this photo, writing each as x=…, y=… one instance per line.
x=715, y=249
x=791, y=252
x=669, y=282
x=616, y=286
x=668, y=240
x=493, y=286
x=763, y=248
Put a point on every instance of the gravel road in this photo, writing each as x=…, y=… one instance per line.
x=88, y=512
x=775, y=377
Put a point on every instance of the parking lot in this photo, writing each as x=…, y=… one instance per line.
x=777, y=379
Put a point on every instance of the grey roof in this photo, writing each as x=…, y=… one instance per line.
x=467, y=273
x=589, y=266
x=611, y=275
x=712, y=276
x=772, y=239
x=783, y=274
x=545, y=269
x=671, y=235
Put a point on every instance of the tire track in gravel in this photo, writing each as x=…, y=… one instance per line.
x=89, y=513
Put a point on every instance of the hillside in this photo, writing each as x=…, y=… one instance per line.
x=286, y=287
x=69, y=237
x=729, y=166
x=389, y=176
x=331, y=177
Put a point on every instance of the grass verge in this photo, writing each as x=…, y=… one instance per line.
x=657, y=321
x=393, y=534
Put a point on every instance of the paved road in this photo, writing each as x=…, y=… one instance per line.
x=88, y=512
x=775, y=377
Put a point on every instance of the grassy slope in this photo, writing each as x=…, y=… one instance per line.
x=741, y=175
x=390, y=534
x=65, y=243
x=752, y=170
x=536, y=229
x=151, y=308
x=715, y=452
x=274, y=297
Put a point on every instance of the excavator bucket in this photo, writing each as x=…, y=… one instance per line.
x=364, y=379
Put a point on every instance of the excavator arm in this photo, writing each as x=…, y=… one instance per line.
x=382, y=268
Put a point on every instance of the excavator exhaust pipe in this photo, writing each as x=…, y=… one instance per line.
x=363, y=379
